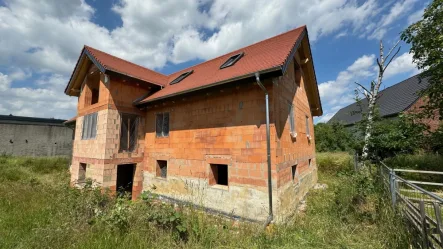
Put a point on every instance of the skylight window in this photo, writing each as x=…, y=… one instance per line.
x=181, y=77
x=232, y=60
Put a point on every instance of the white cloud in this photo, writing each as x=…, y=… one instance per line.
x=397, y=11
x=400, y=65
x=45, y=38
x=340, y=90
x=38, y=102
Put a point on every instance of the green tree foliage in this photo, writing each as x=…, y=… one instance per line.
x=333, y=137
x=435, y=142
x=426, y=38
x=400, y=135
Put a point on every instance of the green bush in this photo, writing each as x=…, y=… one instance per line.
x=333, y=137
x=334, y=162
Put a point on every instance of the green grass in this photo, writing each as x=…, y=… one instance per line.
x=38, y=209
x=427, y=162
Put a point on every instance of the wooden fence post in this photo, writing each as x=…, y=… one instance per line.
x=438, y=219
x=424, y=232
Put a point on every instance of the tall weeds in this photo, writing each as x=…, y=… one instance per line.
x=38, y=209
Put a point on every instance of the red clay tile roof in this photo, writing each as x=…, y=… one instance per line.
x=265, y=56
x=115, y=64
x=268, y=54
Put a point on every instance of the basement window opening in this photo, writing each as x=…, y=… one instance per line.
x=81, y=173
x=293, y=172
x=181, y=77
x=219, y=174
x=89, y=130
x=162, y=124
x=128, y=132
x=162, y=168
x=232, y=60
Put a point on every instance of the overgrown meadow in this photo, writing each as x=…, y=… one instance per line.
x=38, y=209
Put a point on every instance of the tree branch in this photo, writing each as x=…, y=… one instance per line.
x=392, y=49
x=398, y=50
x=366, y=92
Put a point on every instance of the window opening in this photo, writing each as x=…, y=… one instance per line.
x=219, y=174
x=181, y=77
x=232, y=60
x=162, y=124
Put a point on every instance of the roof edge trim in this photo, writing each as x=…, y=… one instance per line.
x=293, y=51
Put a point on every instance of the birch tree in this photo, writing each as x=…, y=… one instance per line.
x=371, y=94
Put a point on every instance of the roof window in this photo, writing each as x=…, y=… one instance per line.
x=181, y=77
x=232, y=60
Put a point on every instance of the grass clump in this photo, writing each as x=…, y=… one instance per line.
x=39, y=210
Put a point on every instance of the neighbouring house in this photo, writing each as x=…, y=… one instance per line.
x=30, y=136
x=400, y=98
x=199, y=135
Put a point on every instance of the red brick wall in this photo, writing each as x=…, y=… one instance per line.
x=226, y=124
x=416, y=108
x=289, y=151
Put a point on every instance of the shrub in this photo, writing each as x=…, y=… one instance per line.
x=333, y=137
x=334, y=162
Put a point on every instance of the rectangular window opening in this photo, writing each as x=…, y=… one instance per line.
x=92, y=88
x=82, y=173
x=94, y=98
x=309, y=163
x=294, y=172
x=162, y=124
x=232, y=60
x=308, y=133
x=219, y=174
x=162, y=168
x=128, y=132
x=89, y=130
x=292, y=120
x=181, y=77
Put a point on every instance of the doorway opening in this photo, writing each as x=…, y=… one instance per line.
x=125, y=179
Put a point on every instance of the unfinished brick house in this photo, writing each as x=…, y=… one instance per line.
x=200, y=135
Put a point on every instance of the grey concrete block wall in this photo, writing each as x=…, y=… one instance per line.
x=35, y=140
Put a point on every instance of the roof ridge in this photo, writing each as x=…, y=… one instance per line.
x=250, y=45
x=132, y=63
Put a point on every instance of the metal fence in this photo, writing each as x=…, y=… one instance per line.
x=422, y=208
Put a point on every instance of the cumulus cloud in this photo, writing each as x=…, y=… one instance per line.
x=40, y=41
x=400, y=65
x=340, y=90
x=398, y=10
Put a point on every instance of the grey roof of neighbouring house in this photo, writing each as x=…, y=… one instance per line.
x=10, y=119
x=392, y=101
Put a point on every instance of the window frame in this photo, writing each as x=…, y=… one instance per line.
x=162, y=133
x=181, y=77
x=232, y=60
x=292, y=123
x=308, y=130
x=137, y=120
x=88, y=121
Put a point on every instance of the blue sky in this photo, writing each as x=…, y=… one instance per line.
x=41, y=41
